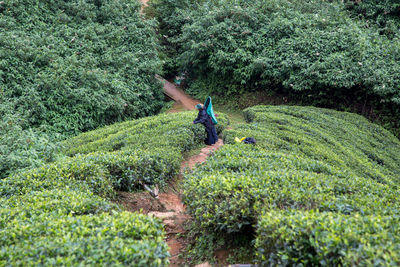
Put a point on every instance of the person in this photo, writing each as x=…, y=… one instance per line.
x=206, y=120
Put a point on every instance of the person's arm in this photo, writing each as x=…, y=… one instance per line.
x=201, y=118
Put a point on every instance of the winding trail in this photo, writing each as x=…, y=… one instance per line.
x=175, y=216
x=179, y=96
x=168, y=206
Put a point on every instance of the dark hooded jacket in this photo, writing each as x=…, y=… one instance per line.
x=204, y=119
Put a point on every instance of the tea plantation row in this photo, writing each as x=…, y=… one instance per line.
x=320, y=187
x=61, y=213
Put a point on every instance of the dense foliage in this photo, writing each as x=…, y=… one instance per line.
x=52, y=220
x=58, y=213
x=76, y=65
x=171, y=16
x=22, y=147
x=73, y=66
x=313, y=51
x=384, y=14
x=320, y=187
x=147, y=150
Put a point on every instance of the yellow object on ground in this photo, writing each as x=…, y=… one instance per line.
x=239, y=140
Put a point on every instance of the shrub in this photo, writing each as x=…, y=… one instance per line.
x=23, y=148
x=306, y=160
x=343, y=139
x=165, y=130
x=147, y=150
x=54, y=202
x=75, y=173
x=68, y=67
x=126, y=170
x=69, y=224
x=77, y=65
x=383, y=14
x=119, y=239
x=327, y=239
x=310, y=50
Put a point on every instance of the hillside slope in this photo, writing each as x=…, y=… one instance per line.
x=320, y=187
x=62, y=213
x=68, y=67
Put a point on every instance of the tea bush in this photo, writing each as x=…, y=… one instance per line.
x=117, y=157
x=147, y=150
x=74, y=173
x=166, y=130
x=58, y=213
x=120, y=239
x=315, y=238
x=71, y=225
x=56, y=201
x=306, y=160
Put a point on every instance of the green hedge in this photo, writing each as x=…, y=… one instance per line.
x=147, y=150
x=119, y=239
x=312, y=238
x=74, y=173
x=305, y=159
x=58, y=213
x=74, y=226
x=167, y=131
x=342, y=139
x=53, y=202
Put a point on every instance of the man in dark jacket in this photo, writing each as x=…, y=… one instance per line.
x=205, y=119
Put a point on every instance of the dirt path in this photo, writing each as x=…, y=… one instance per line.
x=175, y=217
x=169, y=207
x=179, y=96
x=144, y=2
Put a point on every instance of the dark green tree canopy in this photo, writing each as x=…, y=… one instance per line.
x=76, y=65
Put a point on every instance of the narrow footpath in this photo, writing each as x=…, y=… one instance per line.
x=168, y=206
x=174, y=217
x=178, y=95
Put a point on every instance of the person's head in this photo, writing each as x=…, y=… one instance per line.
x=199, y=106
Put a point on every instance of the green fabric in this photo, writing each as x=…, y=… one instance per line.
x=209, y=109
